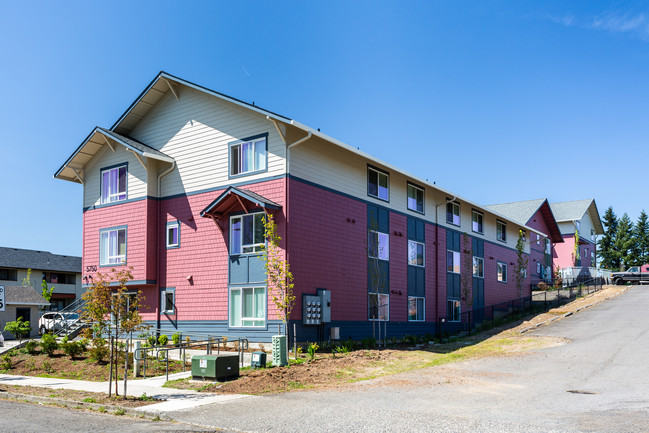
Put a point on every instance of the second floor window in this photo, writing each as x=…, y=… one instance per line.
x=453, y=261
x=378, y=184
x=453, y=213
x=247, y=233
x=502, y=272
x=378, y=245
x=476, y=222
x=415, y=253
x=173, y=234
x=248, y=157
x=112, y=246
x=113, y=184
x=501, y=231
x=478, y=267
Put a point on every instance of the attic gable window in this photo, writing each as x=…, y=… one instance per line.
x=248, y=156
x=113, y=184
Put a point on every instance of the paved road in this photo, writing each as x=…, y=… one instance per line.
x=17, y=417
x=597, y=382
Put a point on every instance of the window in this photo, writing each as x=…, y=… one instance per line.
x=247, y=233
x=415, y=309
x=502, y=272
x=538, y=239
x=592, y=235
x=169, y=301
x=378, y=245
x=453, y=310
x=415, y=198
x=127, y=303
x=9, y=274
x=538, y=268
x=453, y=261
x=478, y=267
x=248, y=156
x=59, y=278
x=586, y=253
x=415, y=253
x=501, y=231
x=548, y=246
x=112, y=246
x=524, y=235
x=113, y=184
x=379, y=306
x=247, y=306
x=378, y=184
x=453, y=213
x=577, y=225
x=592, y=257
x=476, y=222
x=173, y=234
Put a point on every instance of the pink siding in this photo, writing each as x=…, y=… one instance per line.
x=327, y=249
x=496, y=292
x=537, y=254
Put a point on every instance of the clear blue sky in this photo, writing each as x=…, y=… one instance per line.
x=497, y=101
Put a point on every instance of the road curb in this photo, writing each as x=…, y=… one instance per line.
x=140, y=412
x=570, y=313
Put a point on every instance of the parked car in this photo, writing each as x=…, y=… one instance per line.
x=635, y=275
x=54, y=321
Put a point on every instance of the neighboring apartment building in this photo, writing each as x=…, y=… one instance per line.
x=61, y=272
x=177, y=189
x=582, y=217
x=538, y=214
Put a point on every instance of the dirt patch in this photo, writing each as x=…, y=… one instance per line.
x=60, y=366
x=78, y=396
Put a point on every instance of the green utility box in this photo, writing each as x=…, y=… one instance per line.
x=215, y=367
x=258, y=360
x=280, y=356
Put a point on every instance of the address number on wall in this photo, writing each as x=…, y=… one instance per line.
x=92, y=268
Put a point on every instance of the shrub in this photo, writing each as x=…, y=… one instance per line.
x=47, y=366
x=49, y=344
x=176, y=338
x=99, y=350
x=31, y=346
x=313, y=347
x=6, y=362
x=72, y=348
x=542, y=286
x=151, y=340
x=369, y=343
x=84, y=344
x=163, y=340
x=19, y=328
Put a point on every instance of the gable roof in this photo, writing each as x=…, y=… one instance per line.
x=94, y=142
x=523, y=211
x=38, y=260
x=21, y=295
x=575, y=211
x=225, y=200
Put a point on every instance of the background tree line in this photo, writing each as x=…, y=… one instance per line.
x=624, y=243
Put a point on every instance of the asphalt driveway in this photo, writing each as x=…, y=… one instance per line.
x=597, y=381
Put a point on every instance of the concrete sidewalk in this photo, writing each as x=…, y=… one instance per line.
x=175, y=399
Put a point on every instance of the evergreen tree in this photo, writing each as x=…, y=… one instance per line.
x=624, y=241
x=605, y=247
x=641, y=235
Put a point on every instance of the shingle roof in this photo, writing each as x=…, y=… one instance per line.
x=143, y=148
x=18, y=295
x=575, y=210
x=222, y=200
x=519, y=211
x=39, y=260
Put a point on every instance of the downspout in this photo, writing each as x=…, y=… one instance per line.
x=157, y=250
x=437, y=254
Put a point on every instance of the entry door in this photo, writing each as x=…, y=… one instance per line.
x=22, y=312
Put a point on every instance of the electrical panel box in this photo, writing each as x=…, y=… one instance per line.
x=316, y=309
x=215, y=367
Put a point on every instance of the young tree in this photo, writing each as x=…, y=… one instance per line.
x=641, y=239
x=605, y=246
x=575, y=251
x=623, y=246
x=113, y=312
x=27, y=281
x=19, y=328
x=520, y=270
x=278, y=272
x=47, y=293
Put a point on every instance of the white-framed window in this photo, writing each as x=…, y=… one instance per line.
x=247, y=307
x=548, y=246
x=248, y=156
x=247, y=233
x=478, y=267
x=524, y=235
x=173, y=234
x=592, y=235
x=168, y=300
x=378, y=245
x=453, y=310
x=415, y=198
x=502, y=272
x=538, y=239
x=592, y=257
x=453, y=261
x=538, y=268
x=113, y=184
x=501, y=231
x=577, y=225
x=128, y=304
x=378, y=184
x=416, y=309
x=378, y=306
x=453, y=213
x=112, y=246
x=416, y=253
x=476, y=222
x=587, y=251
